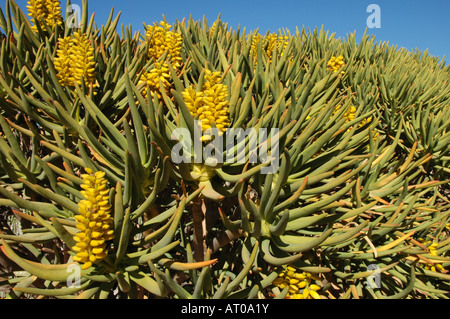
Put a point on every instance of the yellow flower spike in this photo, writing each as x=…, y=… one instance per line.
x=95, y=227
x=432, y=250
x=47, y=10
x=75, y=61
x=334, y=64
x=349, y=115
x=161, y=39
x=297, y=281
x=211, y=104
x=269, y=43
x=254, y=45
x=213, y=29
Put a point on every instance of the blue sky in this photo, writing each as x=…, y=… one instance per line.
x=411, y=24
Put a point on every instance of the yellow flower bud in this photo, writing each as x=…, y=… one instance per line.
x=293, y=289
x=314, y=287
x=302, y=284
x=293, y=281
x=314, y=294
x=300, y=276
x=86, y=265
x=97, y=251
x=305, y=293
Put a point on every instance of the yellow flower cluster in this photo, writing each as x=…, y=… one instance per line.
x=210, y=105
x=364, y=122
x=213, y=29
x=94, y=221
x=47, y=10
x=255, y=40
x=75, y=60
x=301, y=284
x=433, y=251
x=269, y=43
x=336, y=63
x=349, y=115
x=275, y=41
x=161, y=39
x=151, y=78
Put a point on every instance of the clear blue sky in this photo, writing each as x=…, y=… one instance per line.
x=411, y=24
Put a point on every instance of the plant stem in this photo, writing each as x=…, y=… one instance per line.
x=199, y=209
